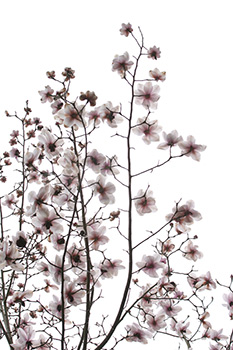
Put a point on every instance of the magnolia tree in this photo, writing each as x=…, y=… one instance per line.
x=79, y=268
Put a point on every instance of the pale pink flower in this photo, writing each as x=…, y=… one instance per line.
x=55, y=307
x=185, y=213
x=149, y=130
x=137, y=334
x=96, y=235
x=42, y=343
x=94, y=116
x=38, y=200
x=95, y=160
x=150, y=264
x=43, y=267
x=171, y=140
x=110, y=268
x=31, y=157
x=156, y=322
x=109, y=167
x=25, y=340
x=191, y=252
x=180, y=328
x=10, y=256
x=167, y=246
x=126, y=29
x=55, y=270
x=20, y=239
x=205, y=282
x=77, y=256
x=70, y=116
x=10, y=201
x=121, y=64
x=205, y=323
x=217, y=335
x=229, y=300
x=56, y=106
x=46, y=95
x=190, y=148
x=147, y=95
x=157, y=75
x=154, y=53
x=52, y=144
x=15, y=153
x=146, y=299
x=104, y=191
x=72, y=294
x=169, y=308
x=58, y=241
x=47, y=220
x=19, y=297
x=110, y=114
x=145, y=203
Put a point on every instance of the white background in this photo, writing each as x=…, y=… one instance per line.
x=195, y=38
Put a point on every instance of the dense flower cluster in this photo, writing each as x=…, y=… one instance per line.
x=77, y=208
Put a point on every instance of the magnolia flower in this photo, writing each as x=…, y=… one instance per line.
x=9, y=256
x=110, y=268
x=52, y=145
x=56, y=106
x=104, y=191
x=149, y=130
x=25, y=340
x=171, y=140
x=31, y=157
x=20, y=239
x=55, y=270
x=137, y=334
x=58, y=241
x=55, y=307
x=156, y=322
x=72, y=294
x=90, y=96
x=190, y=148
x=95, y=160
x=43, y=267
x=180, y=328
x=147, y=95
x=217, y=335
x=150, y=264
x=47, y=220
x=126, y=29
x=38, y=200
x=96, y=235
x=154, y=52
x=205, y=323
x=94, y=116
x=157, y=75
x=145, y=203
x=42, y=343
x=68, y=73
x=10, y=201
x=19, y=296
x=229, y=300
x=77, y=256
x=46, y=95
x=121, y=64
x=70, y=116
x=185, y=214
x=205, y=282
x=191, y=252
x=110, y=114
x=169, y=308
x=15, y=153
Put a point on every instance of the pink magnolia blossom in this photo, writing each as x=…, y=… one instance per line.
x=229, y=303
x=157, y=75
x=55, y=307
x=55, y=270
x=156, y=322
x=147, y=95
x=145, y=203
x=205, y=282
x=77, y=256
x=217, y=335
x=126, y=29
x=150, y=264
x=95, y=160
x=10, y=201
x=38, y=200
x=96, y=235
x=185, y=213
x=58, y=241
x=171, y=140
x=46, y=94
x=56, y=106
x=191, y=252
x=110, y=268
x=205, y=323
x=94, y=116
x=104, y=191
x=52, y=145
x=47, y=220
x=137, y=334
x=110, y=114
x=149, y=129
x=20, y=239
x=43, y=267
x=170, y=308
x=121, y=64
x=109, y=167
x=15, y=153
x=70, y=116
x=31, y=157
x=191, y=149
x=180, y=328
x=25, y=340
x=19, y=297
x=154, y=53
x=73, y=295
x=10, y=256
